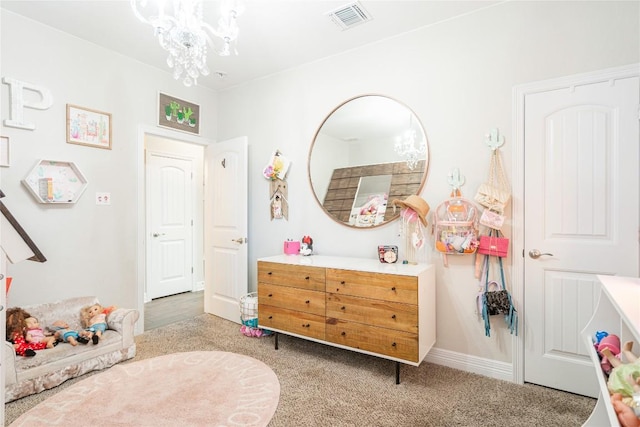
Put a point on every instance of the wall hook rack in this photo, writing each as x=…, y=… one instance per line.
x=455, y=179
x=494, y=140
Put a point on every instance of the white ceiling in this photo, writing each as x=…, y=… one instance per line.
x=275, y=35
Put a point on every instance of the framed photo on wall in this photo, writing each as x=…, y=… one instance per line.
x=88, y=127
x=4, y=151
x=178, y=114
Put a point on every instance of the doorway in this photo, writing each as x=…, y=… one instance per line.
x=577, y=198
x=183, y=146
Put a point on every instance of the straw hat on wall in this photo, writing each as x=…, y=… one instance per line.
x=415, y=203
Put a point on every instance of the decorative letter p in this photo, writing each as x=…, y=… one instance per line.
x=16, y=88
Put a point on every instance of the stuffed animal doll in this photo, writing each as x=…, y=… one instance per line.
x=15, y=333
x=35, y=333
x=624, y=385
x=62, y=333
x=94, y=320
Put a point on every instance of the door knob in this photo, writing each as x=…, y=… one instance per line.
x=240, y=240
x=157, y=234
x=535, y=254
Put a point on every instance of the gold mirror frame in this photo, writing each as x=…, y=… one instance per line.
x=357, y=140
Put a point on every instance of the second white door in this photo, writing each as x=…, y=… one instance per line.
x=170, y=225
x=580, y=218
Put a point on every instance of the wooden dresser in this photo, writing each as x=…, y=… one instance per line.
x=386, y=310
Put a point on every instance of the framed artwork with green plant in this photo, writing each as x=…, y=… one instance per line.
x=178, y=114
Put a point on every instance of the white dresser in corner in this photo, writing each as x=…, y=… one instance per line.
x=618, y=313
x=385, y=310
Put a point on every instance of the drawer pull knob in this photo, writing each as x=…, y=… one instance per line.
x=342, y=282
x=305, y=326
x=307, y=302
x=343, y=333
x=343, y=307
x=306, y=278
x=393, y=344
x=270, y=273
x=393, y=316
x=393, y=289
x=337, y=289
x=270, y=317
x=270, y=295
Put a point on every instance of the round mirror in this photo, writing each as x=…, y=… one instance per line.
x=369, y=151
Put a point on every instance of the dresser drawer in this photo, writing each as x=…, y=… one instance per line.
x=296, y=322
x=385, y=314
x=388, y=287
x=401, y=345
x=312, y=302
x=298, y=276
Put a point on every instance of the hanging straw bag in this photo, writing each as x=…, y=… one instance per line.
x=494, y=194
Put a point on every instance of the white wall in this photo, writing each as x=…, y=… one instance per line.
x=90, y=250
x=458, y=78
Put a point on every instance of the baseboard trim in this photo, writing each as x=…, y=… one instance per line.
x=477, y=365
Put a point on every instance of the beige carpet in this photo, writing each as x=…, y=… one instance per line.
x=325, y=386
x=182, y=389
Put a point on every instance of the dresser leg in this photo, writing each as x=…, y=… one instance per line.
x=397, y=372
x=276, y=334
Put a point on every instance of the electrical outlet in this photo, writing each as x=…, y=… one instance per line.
x=103, y=198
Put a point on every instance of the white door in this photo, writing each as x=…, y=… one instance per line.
x=226, y=252
x=581, y=213
x=170, y=225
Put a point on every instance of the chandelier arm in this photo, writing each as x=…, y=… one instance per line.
x=136, y=12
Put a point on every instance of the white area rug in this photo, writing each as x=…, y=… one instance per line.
x=201, y=388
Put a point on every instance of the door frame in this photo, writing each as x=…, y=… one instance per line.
x=518, y=164
x=144, y=130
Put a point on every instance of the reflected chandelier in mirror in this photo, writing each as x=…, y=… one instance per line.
x=369, y=150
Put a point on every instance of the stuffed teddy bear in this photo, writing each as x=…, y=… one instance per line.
x=15, y=333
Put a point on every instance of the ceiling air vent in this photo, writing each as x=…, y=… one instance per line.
x=349, y=15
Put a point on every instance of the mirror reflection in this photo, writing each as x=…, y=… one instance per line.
x=369, y=151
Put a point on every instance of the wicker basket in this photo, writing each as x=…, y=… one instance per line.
x=249, y=316
x=249, y=309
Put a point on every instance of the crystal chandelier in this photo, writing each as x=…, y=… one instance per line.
x=184, y=34
x=405, y=146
